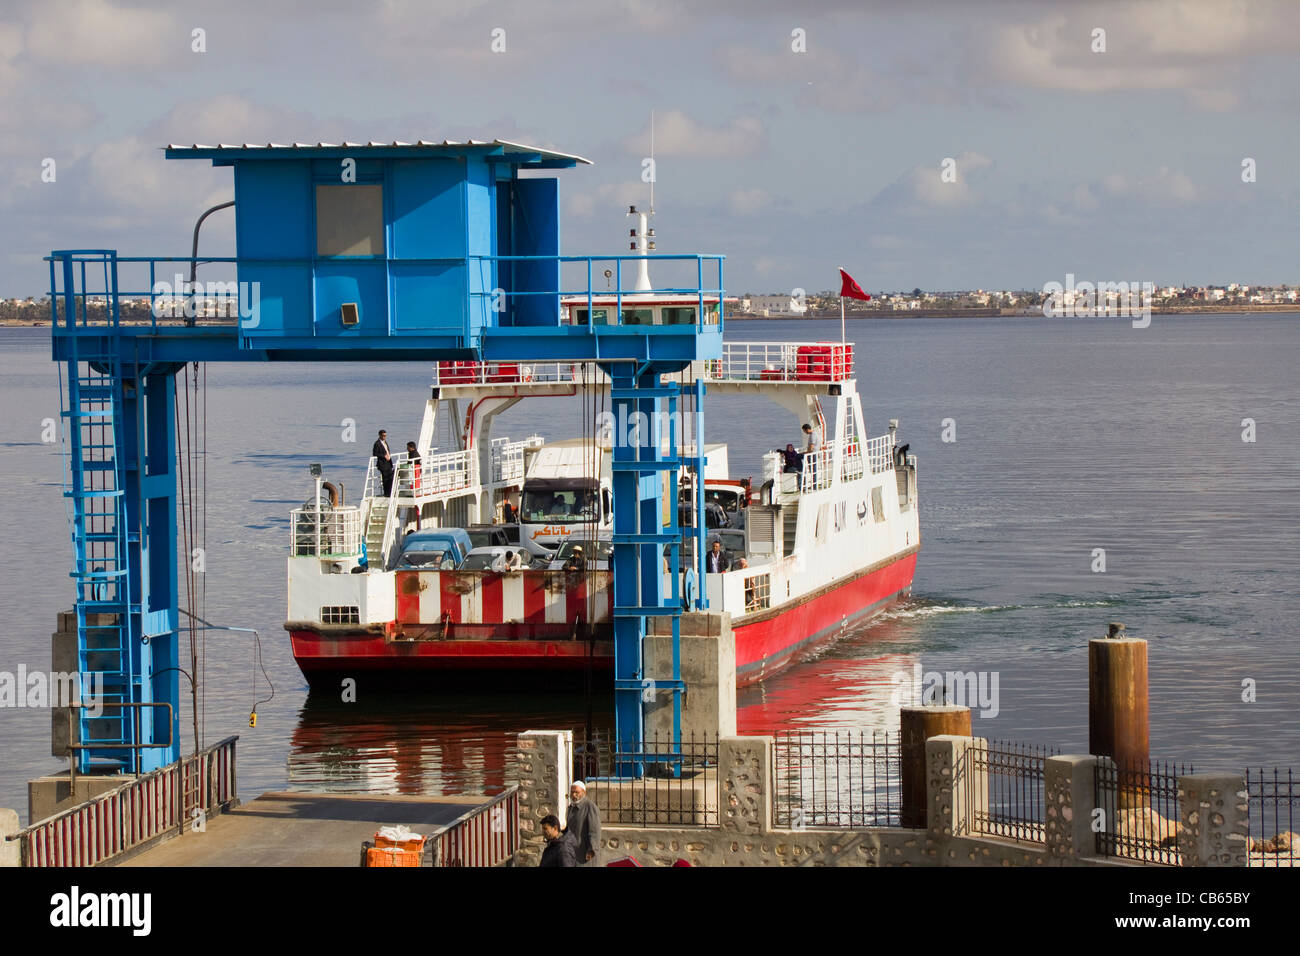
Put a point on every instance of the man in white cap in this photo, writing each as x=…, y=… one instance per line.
x=583, y=821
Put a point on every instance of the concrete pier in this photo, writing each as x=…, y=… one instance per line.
x=302, y=829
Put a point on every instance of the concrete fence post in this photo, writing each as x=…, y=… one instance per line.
x=544, y=770
x=1214, y=829
x=11, y=851
x=745, y=784
x=1069, y=799
x=956, y=793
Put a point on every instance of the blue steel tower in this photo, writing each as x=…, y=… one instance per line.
x=344, y=252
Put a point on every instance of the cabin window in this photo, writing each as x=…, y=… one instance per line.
x=758, y=593
x=349, y=220
x=679, y=315
x=580, y=316
x=638, y=316
x=340, y=614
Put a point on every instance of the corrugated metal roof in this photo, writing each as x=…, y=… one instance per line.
x=447, y=145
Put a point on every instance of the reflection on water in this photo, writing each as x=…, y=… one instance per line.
x=418, y=743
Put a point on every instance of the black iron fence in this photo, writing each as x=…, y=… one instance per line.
x=1001, y=786
x=1272, y=804
x=1139, y=811
x=658, y=783
x=838, y=778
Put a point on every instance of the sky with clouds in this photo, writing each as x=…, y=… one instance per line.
x=1118, y=165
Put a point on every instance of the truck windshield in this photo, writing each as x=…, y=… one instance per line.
x=559, y=506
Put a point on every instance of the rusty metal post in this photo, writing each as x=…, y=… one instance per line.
x=1119, y=711
x=919, y=724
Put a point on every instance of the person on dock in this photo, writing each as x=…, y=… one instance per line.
x=584, y=824
x=509, y=514
x=561, y=848
x=383, y=461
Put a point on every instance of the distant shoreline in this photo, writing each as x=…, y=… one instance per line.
x=891, y=315
x=1032, y=313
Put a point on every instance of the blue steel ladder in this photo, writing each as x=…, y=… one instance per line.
x=96, y=487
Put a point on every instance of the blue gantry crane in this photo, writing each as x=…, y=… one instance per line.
x=347, y=252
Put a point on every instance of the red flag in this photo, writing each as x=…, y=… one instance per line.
x=850, y=289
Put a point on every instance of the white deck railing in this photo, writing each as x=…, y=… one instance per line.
x=880, y=453
x=507, y=458
x=326, y=532
x=517, y=373
x=740, y=362
x=781, y=362
x=877, y=453
x=434, y=474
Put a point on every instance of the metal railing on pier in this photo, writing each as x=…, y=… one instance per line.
x=1002, y=786
x=838, y=778
x=1140, y=811
x=485, y=836
x=1272, y=799
x=654, y=784
x=179, y=796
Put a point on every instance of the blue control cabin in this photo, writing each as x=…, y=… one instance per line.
x=420, y=248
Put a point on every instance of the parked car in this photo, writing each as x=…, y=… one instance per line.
x=496, y=558
x=437, y=549
x=491, y=535
x=599, y=554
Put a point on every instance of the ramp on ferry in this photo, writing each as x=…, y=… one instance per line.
x=303, y=829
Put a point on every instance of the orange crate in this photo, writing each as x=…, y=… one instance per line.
x=415, y=843
x=392, y=856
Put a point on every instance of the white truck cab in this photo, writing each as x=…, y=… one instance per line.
x=567, y=493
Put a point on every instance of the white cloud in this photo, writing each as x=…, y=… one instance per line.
x=1197, y=49
x=677, y=134
x=746, y=202
x=928, y=186
x=98, y=33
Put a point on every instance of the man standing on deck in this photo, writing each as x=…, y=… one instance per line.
x=717, y=561
x=814, y=436
x=383, y=461
x=584, y=824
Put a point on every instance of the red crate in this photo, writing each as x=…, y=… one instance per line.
x=503, y=372
x=828, y=362
x=458, y=373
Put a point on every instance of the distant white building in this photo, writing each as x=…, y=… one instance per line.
x=770, y=305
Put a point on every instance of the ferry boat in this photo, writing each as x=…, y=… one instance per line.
x=823, y=547
x=812, y=548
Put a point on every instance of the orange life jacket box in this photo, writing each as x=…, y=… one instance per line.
x=458, y=373
x=828, y=362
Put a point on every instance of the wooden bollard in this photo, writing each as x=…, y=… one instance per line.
x=1119, y=711
x=919, y=724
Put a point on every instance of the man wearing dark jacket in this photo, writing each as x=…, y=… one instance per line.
x=561, y=848
x=584, y=824
x=383, y=461
x=716, y=560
